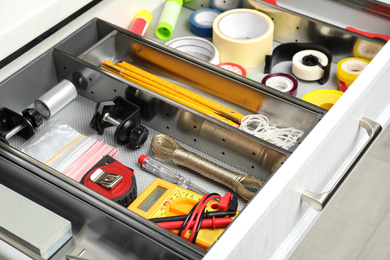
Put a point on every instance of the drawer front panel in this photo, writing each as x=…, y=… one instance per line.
x=279, y=218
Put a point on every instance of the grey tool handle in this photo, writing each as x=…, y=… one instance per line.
x=318, y=201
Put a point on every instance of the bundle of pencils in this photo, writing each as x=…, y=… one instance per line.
x=173, y=92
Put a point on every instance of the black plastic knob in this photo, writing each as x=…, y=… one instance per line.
x=138, y=136
x=33, y=117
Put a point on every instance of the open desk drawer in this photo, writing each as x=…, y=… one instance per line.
x=272, y=223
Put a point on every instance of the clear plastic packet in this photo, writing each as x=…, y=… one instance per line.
x=66, y=150
x=88, y=159
x=67, y=156
x=50, y=141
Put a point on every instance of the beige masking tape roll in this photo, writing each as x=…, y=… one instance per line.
x=243, y=36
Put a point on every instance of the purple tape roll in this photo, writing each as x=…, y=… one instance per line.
x=282, y=82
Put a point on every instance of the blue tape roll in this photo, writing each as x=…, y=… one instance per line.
x=201, y=22
x=223, y=6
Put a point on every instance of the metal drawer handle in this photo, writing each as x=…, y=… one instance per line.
x=318, y=201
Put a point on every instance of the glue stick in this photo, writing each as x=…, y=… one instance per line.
x=168, y=19
x=141, y=22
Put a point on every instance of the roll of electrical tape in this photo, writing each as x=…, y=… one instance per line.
x=324, y=98
x=196, y=47
x=201, y=22
x=56, y=98
x=282, y=82
x=365, y=49
x=350, y=68
x=223, y=5
x=233, y=67
x=343, y=86
x=309, y=65
x=240, y=42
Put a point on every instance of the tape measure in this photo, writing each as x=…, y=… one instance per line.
x=113, y=180
x=164, y=199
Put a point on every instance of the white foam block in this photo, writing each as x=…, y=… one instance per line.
x=32, y=225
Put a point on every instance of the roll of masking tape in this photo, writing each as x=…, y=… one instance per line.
x=282, y=82
x=365, y=49
x=239, y=41
x=324, y=98
x=201, y=22
x=309, y=65
x=233, y=67
x=223, y=5
x=350, y=68
x=196, y=47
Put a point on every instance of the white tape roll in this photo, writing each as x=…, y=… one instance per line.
x=243, y=36
x=308, y=71
x=197, y=47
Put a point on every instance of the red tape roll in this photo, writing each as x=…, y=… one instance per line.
x=234, y=67
x=343, y=86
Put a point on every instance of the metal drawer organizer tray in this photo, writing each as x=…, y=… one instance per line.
x=106, y=229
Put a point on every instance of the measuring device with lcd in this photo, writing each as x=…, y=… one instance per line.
x=162, y=199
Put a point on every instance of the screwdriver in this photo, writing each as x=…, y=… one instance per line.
x=161, y=171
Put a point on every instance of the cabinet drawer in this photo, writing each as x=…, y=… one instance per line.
x=273, y=222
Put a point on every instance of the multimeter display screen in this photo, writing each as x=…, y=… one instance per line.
x=153, y=197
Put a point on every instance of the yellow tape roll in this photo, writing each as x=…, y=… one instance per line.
x=366, y=50
x=243, y=36
x=324, y=98
x=350, y=68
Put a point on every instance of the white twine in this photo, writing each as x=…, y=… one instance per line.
x=258, y=125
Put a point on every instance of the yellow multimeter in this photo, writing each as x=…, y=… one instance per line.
x=164, y=199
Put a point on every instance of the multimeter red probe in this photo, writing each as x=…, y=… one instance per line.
x=199, y=218
x=231, y=211
x=206, y=223
x=199, y=207
x=207, y=215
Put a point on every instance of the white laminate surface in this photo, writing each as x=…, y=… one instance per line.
x=22, y=21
